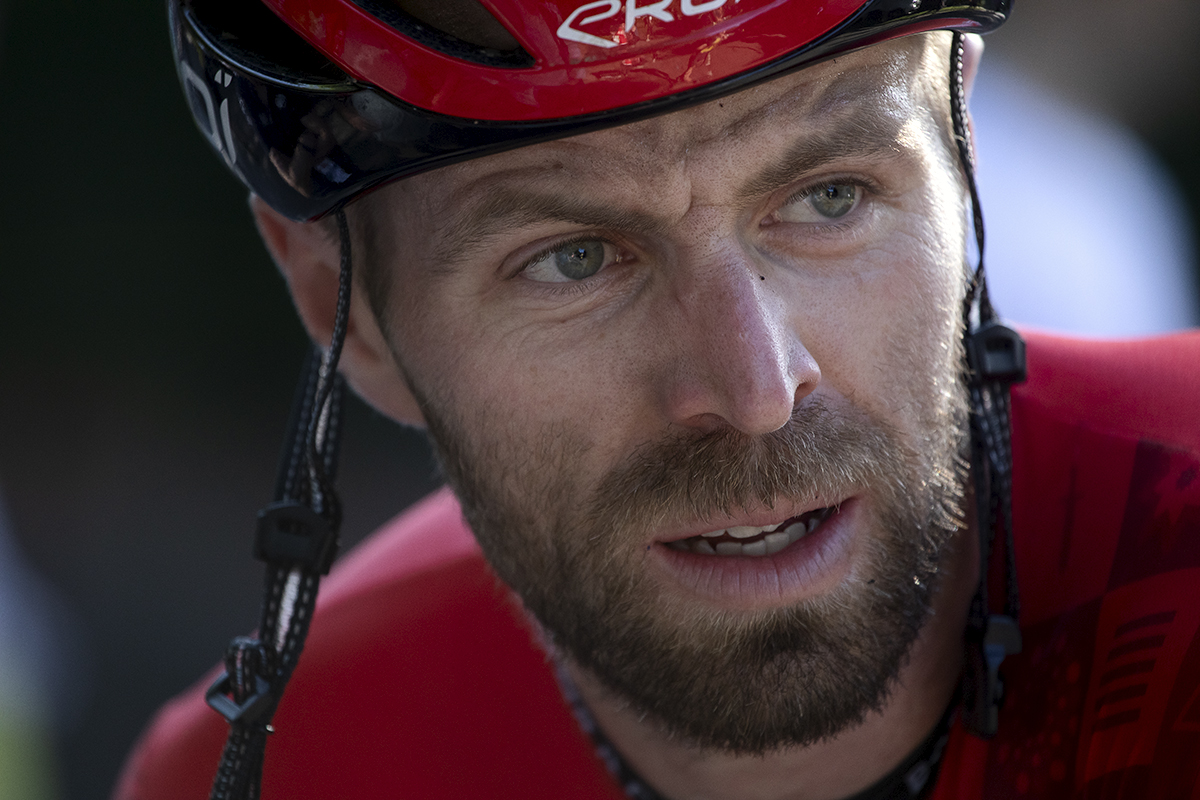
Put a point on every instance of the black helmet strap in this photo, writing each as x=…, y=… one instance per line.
x=995, y=361
x=297, y=538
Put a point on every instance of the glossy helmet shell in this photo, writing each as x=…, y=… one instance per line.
x=313, y=102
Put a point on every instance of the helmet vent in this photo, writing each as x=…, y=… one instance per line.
x=256, y=39
x=459, y=28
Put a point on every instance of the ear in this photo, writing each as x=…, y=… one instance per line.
x=972, y=56
x=310, y=260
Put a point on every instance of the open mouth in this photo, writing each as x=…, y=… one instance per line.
x=754, y=541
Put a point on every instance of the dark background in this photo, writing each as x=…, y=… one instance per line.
x=147, y=357
x=147, y=348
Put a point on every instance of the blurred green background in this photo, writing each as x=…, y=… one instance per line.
x=147, y=348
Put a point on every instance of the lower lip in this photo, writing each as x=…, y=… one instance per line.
x=808, y=567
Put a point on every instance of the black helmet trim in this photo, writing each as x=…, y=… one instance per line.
x=307, y=138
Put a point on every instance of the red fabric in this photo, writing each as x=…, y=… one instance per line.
x=420, y=680
x=1104, y=702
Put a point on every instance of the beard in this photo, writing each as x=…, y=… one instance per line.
x=744, y=682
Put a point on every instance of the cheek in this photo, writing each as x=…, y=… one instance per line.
x=884, y=335
x=923, y=340
x=539, y=406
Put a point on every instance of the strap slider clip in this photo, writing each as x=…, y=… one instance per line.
x=996, y=352
x=292, y=533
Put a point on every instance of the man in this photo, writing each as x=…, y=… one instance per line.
x=690, y=346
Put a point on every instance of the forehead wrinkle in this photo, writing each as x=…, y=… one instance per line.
x=813, y=98
x=507, y=208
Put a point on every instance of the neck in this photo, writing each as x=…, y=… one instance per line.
x=831, y=769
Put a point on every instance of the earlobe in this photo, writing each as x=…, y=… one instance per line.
x=309, y=258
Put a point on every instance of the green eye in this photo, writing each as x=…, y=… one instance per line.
x=834, y=200
x=570, y=262
x=824, y=203
x=580, y=261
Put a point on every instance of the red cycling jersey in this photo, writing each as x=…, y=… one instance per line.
x=421, y=680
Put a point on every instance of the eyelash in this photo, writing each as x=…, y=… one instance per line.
x=814, y=186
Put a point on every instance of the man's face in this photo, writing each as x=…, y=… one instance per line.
x=695, y=381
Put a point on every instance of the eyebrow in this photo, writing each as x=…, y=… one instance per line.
x=851, y=138
x=514, y=208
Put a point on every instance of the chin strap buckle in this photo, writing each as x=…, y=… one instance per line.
x=983, y=689
x=243, y=693
x=220, y=699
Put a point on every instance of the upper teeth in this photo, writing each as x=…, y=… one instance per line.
x=774, y=541
x=738, y=531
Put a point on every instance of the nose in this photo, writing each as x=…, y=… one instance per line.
x=737, y=360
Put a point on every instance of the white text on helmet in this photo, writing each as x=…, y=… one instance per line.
x=570, y=29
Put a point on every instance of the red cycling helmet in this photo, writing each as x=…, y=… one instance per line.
x=313, y=102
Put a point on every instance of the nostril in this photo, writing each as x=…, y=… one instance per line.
x=706, y=422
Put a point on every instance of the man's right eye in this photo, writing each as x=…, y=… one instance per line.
x=572, y=261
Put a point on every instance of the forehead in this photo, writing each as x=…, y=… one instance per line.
x=882, y=84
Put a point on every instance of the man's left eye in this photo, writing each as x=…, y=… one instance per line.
x=821, y=204
x=574, y=261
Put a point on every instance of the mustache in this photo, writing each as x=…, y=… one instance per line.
x=820, y=454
